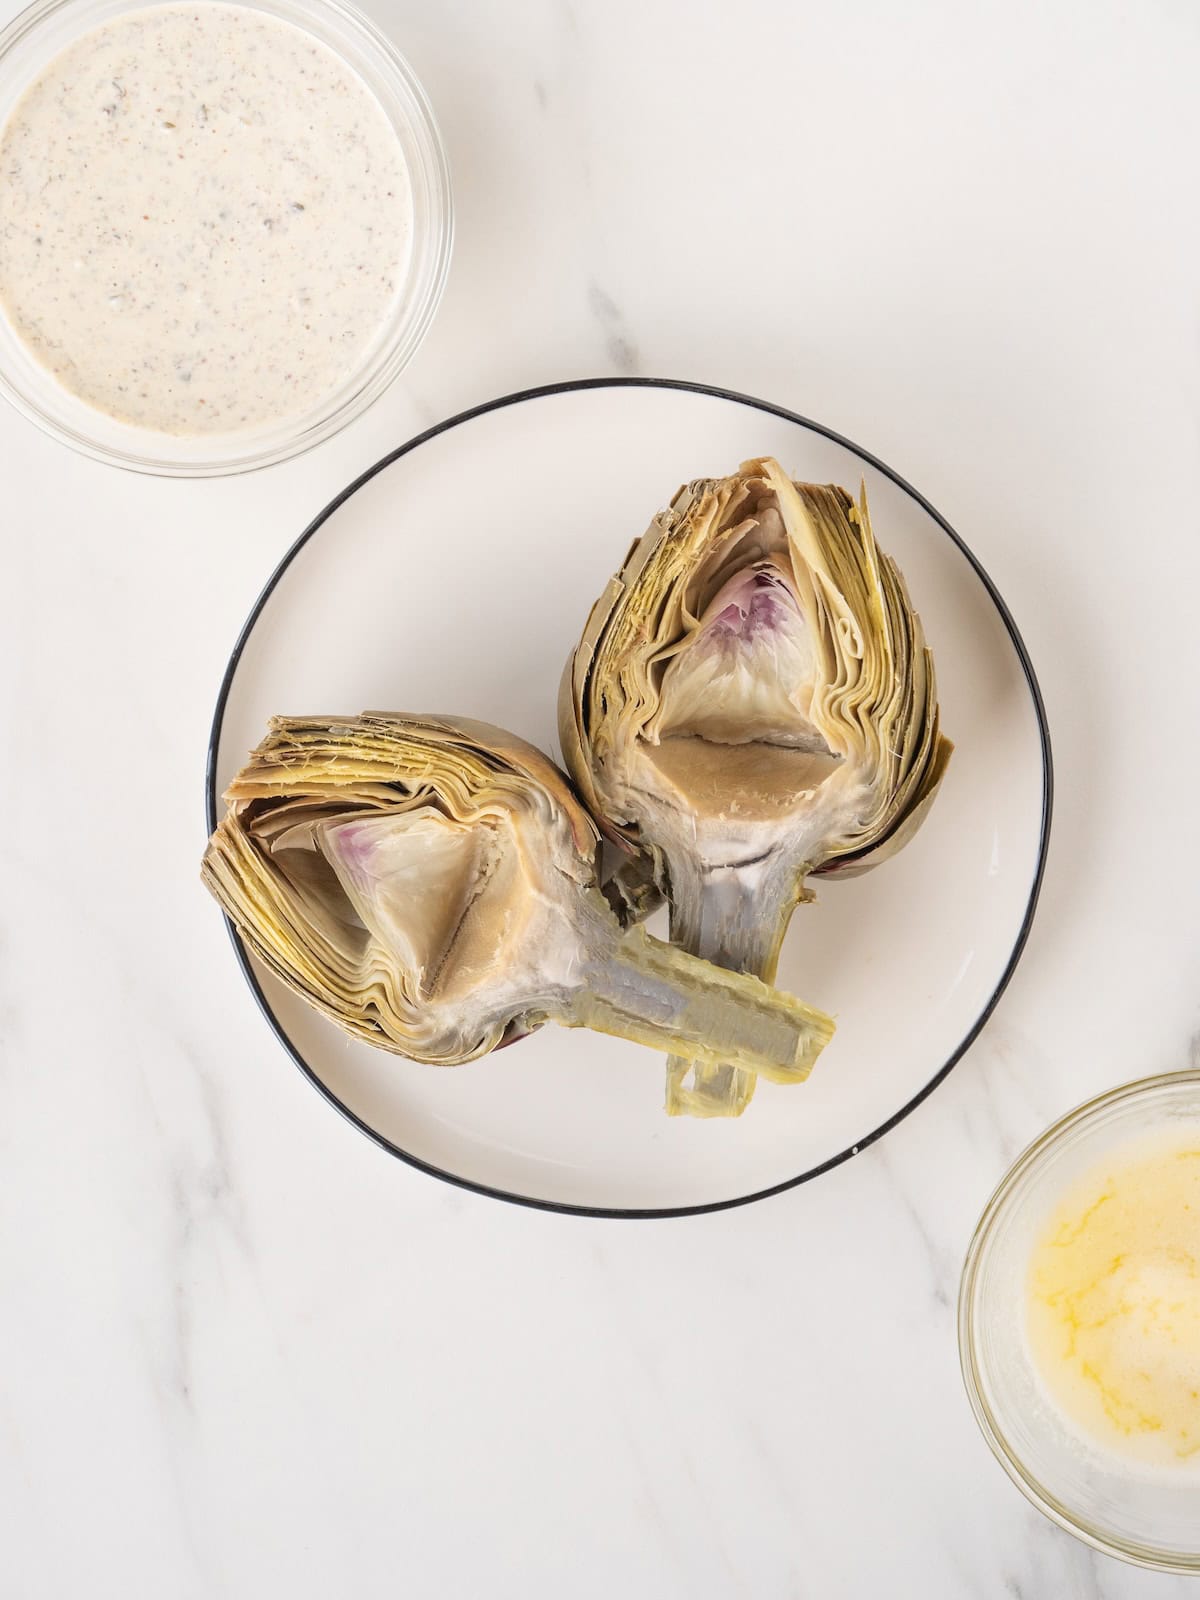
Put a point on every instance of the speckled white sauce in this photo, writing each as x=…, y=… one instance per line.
x=204, y=219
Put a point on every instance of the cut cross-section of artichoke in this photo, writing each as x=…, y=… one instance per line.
x=430, y=884
x=752, y=702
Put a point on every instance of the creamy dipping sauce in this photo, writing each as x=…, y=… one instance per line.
x=204, y=219
x=1114, y=1302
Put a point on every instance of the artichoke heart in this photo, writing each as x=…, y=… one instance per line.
x=752, y=702
x=430, y=884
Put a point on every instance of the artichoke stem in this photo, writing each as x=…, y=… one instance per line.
x=647, y=991
x=734, y=917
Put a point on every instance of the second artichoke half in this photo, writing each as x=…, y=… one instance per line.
x=752, y=702
x=429, y=883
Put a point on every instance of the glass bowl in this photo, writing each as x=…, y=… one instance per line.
x=30, y=43
x=1143, y=1514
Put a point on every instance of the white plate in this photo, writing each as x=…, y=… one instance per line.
x=454, y=577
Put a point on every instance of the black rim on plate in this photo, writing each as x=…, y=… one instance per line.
x=972, y=1033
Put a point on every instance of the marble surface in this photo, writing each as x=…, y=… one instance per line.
x=245, y=1353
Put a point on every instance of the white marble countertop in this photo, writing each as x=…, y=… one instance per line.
x=245, y=1353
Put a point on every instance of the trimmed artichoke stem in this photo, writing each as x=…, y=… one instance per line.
x=734, y=917
x=654, y=994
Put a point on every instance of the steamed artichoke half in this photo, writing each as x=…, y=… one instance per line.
x=430, y=885
x=752, y=701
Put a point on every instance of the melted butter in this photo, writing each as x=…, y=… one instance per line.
x=1114, y=1302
